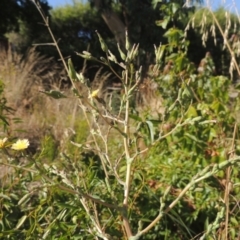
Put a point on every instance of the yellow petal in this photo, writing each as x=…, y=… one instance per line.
x=2, y=142
x=21, y=144
x=94, y=94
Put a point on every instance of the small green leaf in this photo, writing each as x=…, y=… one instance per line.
x=54, y=94
x=192, y=112
x=135, y=117
x=212, y=134
x=5, y=196
x=234, y=221
x=163, y=23
x=175, y=7
x=4, y=120
x=21, y=221
x=155, y=3
x=194, y=138
x=151, y=130
x=24, y=199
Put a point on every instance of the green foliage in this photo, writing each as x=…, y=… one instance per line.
x=181, y=155
x=21, y=22
x=8, y=20
x=66, y=22
x=172, y=13
x=129, y=174
x=49, y=144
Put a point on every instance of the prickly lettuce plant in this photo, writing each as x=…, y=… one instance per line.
x=139, y=173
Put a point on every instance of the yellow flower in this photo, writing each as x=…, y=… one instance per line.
x=94, y=94
x=2, y=142
x=20, y=144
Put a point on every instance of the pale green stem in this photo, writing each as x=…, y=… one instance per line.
x=128, y=160
x=228, y=186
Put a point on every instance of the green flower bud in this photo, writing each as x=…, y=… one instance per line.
x=127, y=44
x=103, y=44
x=71, y=70
x=123, y=56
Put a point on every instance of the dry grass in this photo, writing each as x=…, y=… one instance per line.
x=24, y=76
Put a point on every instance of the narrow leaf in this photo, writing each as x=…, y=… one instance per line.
x=21, y=221
x=54, y=94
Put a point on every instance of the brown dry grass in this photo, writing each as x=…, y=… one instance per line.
x=23, y=76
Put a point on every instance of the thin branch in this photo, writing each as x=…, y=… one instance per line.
x=228, y=185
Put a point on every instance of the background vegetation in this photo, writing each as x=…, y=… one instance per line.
x=135, y=140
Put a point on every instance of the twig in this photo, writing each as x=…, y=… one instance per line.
x=228, y=185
